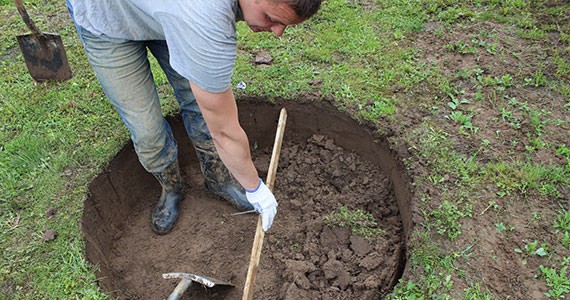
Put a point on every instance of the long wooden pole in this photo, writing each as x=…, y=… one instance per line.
x=259, y=233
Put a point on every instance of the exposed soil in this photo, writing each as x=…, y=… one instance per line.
x=504, y=132
x=304, y=255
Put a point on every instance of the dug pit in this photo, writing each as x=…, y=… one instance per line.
x=333, y=175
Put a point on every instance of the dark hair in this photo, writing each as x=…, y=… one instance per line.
x=304, y=8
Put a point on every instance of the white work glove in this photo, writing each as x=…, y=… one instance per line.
x=264, y=203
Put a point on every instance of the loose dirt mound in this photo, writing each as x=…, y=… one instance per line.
x=313, y=259
x=306, y=255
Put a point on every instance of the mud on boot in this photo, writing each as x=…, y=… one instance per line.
x=218, y=179
x=166, y=211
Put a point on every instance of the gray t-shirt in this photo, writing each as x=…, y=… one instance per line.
x=200, y=34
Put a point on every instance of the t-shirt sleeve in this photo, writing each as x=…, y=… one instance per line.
x=202, y=45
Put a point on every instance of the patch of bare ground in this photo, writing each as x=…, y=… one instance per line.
x=512, y=119
x=499, y=83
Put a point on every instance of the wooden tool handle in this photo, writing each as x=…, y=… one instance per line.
x=259, y=233
x=271, y=173
x=31, y=25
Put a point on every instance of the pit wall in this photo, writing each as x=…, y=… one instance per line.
x=259, y=119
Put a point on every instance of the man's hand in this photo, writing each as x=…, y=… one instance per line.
x=264, y=203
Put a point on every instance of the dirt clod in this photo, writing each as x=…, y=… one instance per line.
x=50, y=235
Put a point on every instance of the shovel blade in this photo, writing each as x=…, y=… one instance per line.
x=205, y=281
x=45, y=56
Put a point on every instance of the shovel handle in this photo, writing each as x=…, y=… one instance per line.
x=182, y=286
x=259, y=233
x=31, y=25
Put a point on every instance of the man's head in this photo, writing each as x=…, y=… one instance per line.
x=275, y=15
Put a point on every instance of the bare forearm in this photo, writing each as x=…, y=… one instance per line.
x=233, y=148
x=220, y=113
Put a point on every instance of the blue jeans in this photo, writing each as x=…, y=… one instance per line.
x=123, y=69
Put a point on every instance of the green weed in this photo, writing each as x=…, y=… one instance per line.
x=464, y=121
x=563, y=151
x=491, y=48
x=359, y=221
x=379, y=107
x=562, y=225
x=455, y=102
x=523, y=177
x=437, y=271
x=565, y=240
x=411, y=290
x=537, y=120
x=563, y=220
x=537, y=80
x=475, y=292
x=557, y=281
x=533, y=33
x=533, y=248
x=500, y=227
x=502, y=81
x=521, y=105
x=453, y=14
x=461, y=47
x=446, y=218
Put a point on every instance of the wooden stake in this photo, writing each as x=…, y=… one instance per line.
x=259, y=233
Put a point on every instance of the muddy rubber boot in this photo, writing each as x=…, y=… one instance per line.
x=218, y=179
x=166, y=211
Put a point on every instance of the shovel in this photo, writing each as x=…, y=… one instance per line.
x=186, y=281
x=43, y=52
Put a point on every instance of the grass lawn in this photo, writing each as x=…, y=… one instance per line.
x=473, y=96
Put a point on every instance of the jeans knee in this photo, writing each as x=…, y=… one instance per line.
x=156, y=151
